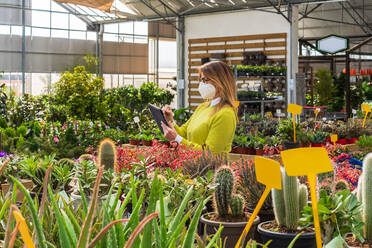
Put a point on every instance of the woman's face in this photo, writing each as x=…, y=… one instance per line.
x=206, y=80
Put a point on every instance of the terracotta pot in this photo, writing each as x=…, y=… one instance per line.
x=231, y=230
x=166, y=143
x=282, y=240
x=259, y=152
x=316, y=144
x=28, y=184
x=234, y=149
x=251, y=151
x=304, y=144
x=240, y=150
x=146, y=142
x=135, y=142
x=290, y=145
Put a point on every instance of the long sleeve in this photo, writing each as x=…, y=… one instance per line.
x=220, y=133
x=182, y=130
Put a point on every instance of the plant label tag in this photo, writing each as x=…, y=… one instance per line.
x=272, y=179
x=136, y=119
x=324, y=119
x=334, y=138
x=354, y=111
x=294, y=109
x=366, y=108
x=278, y=111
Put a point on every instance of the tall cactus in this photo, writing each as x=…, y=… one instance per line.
x=107, y=154
x=364, y=195
x=289, y=202
x=224, y=199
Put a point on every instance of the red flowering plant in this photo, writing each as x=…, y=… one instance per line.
x=159, y=155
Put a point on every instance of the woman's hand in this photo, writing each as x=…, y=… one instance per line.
x=168, y=114
x=169, y=132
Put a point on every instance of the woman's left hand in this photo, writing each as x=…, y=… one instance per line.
x=169, y=132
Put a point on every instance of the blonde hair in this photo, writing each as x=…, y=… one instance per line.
x=223, y=79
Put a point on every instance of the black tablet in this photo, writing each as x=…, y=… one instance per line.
x=157, y=113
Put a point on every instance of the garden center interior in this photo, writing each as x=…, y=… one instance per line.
x=85, y=163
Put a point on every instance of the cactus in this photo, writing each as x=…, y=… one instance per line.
x=107, y=154
x=364, y=191
x=87, y=157
x=225, y=185
x=237, y=205
x=289, y=202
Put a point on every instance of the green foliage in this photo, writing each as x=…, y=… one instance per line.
x=338, y=94
x=79, y=92
x=289, y=202
x=338, y=215
x=22, y=131
x=182, y=115
x=10, y=132
x=285, y=130
x=317, y=137
x=3, y=123
x=3, y=102
x=356, y=96
x=364, y=141
x=323, y=87
x=367, y=88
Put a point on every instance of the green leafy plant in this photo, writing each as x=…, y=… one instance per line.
x=323, y=87
x=364, y=141
x=338, y=215
x=317, y=137
x=285, y=130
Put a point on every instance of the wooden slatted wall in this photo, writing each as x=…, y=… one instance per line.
x=274, y=47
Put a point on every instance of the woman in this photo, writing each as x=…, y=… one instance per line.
x=214, y=122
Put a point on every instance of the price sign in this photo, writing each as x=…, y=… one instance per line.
x=334, y=138
x=365, y=108
x=269, y=115
x=316, y=112
x=294, y=109
x=314, y=161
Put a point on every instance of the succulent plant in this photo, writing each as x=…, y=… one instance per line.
x=107, y=154
x=289, y=202
x=224, y=199
x=364, y=195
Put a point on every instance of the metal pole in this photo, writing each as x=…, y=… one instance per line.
x=157, y=55
x=180, y=37
x=348, y=105
x=23, y=46
x=100, y=30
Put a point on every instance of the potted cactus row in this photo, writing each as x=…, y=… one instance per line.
x=229, y=209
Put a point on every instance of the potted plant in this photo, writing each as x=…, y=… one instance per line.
x=364, y=196
x=285, y=132
x=134, y=139
x=364, y=142
x=339, y=215
x=354, y=129
x=252, y=190
x=242, y=142
x=317, y=138
x=259, y=144
x=229, y=209
x=288, y=204
x=147, y=139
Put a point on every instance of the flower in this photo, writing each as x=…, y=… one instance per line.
x=56, y=139
x=3, y=154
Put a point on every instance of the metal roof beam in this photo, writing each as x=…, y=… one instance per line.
x=81, y=17
x=310, y=11
x=166, y=6
x=361, y=17
x=160, y=15
x=355, y=20
x=279, y=11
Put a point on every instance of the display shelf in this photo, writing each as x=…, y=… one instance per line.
x=309, y=80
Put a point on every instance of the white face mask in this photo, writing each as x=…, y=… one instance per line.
x=207, y=91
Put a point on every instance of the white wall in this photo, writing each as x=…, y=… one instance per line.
x=232, y=24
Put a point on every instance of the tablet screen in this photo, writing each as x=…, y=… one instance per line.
x=157, y=113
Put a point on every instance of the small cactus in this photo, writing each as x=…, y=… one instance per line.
x=225, y=185
x=289, y=202
x=87, y=157
x=237, y=205
x=107, y=154
x=364, y=191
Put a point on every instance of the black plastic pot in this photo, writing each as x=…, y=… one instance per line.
x=282, y=240
x=290, y=145
x=231, y=230
x=265, y=215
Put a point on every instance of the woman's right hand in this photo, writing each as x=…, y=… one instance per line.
x=168, y=114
